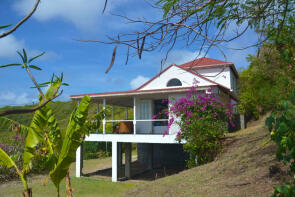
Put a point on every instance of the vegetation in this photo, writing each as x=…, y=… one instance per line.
x=245, y=167
x=281, y=124
x=277, y=77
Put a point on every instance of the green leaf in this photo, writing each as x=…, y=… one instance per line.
x=35, y=67
x=7, y=65
x=4, y=26
x=38, y=126
x=25, y=55
x=12, y=124
x=65, y=84
x=71, y=142
x=21, y=56
x=5, y=160
x=33, y=58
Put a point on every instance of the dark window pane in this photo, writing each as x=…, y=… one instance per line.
x=174, y=82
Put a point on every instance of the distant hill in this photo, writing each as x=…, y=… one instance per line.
x=63, y=111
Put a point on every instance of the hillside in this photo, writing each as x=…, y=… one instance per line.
x=63, y=111
x=242, y=169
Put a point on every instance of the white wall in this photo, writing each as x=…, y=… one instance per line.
x=185, y=77
x=174, y=127
x=224, y=78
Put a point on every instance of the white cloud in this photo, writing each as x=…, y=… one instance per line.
x=138, y=81
x=9, y=46
x=178, y=56
x=81, y=13
x=11, y=98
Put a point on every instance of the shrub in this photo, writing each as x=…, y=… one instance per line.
x=281, y=124
x=203, y=120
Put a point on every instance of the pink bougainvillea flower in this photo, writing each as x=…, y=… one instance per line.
x=178, y=134
x=154, y=116
x=165, y=133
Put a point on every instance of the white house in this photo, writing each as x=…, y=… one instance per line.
x=172, y=82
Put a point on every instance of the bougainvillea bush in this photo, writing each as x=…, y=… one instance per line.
x=203, y=120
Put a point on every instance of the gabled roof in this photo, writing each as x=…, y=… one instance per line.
x=190, y=71
x=208, y=62
x=204, y=61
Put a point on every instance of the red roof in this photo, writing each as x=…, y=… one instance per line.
x=204, y=61
x=208, y=62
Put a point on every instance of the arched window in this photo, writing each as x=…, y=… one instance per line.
x=174, y=82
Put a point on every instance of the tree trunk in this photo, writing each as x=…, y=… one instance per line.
x=28, y=193
x=68, y=185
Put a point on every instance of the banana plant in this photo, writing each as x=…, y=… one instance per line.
x=7, y=161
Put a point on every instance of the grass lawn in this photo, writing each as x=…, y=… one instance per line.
x=85, y=187
x=242, y=169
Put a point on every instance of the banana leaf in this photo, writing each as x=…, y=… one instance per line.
x=13, y=125
x=72, y=140
x=43, y=122
x=5, y=160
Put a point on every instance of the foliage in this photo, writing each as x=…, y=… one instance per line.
x=267, y=81
x=15, y=149
x=203, y=120
x=72, y=140
x=281, y=124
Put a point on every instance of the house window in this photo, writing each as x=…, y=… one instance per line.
x=174, y=82
x=145, y=110
x=160, y=107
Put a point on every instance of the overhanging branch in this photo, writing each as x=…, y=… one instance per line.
x=22, y=21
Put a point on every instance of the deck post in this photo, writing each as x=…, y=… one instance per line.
x=78, y=162
x=119, y=154
x=134, y=115
x=114, y=162
x=104, y=119
x=128, y=156
x=97, y=111
x=126, y=115
x=113, y=114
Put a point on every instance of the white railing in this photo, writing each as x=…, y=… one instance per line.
x=134, y=123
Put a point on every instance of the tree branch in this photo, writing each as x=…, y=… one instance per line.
x=32, y=109
x=22, y=21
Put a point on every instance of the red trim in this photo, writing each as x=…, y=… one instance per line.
x=204, y=61
x=205, y=78
x=183, y=69
x=154, y=77
x=137, y=91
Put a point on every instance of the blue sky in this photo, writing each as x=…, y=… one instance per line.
x=53, y=29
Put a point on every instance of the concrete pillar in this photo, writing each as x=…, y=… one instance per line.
x=119, y=154
x=150, y=156
x=78, y=162
x=114, y=161
x=128, y=156
x=242, y=121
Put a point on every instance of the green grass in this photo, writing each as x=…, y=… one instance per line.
x=85, y=187
x=242, y=169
